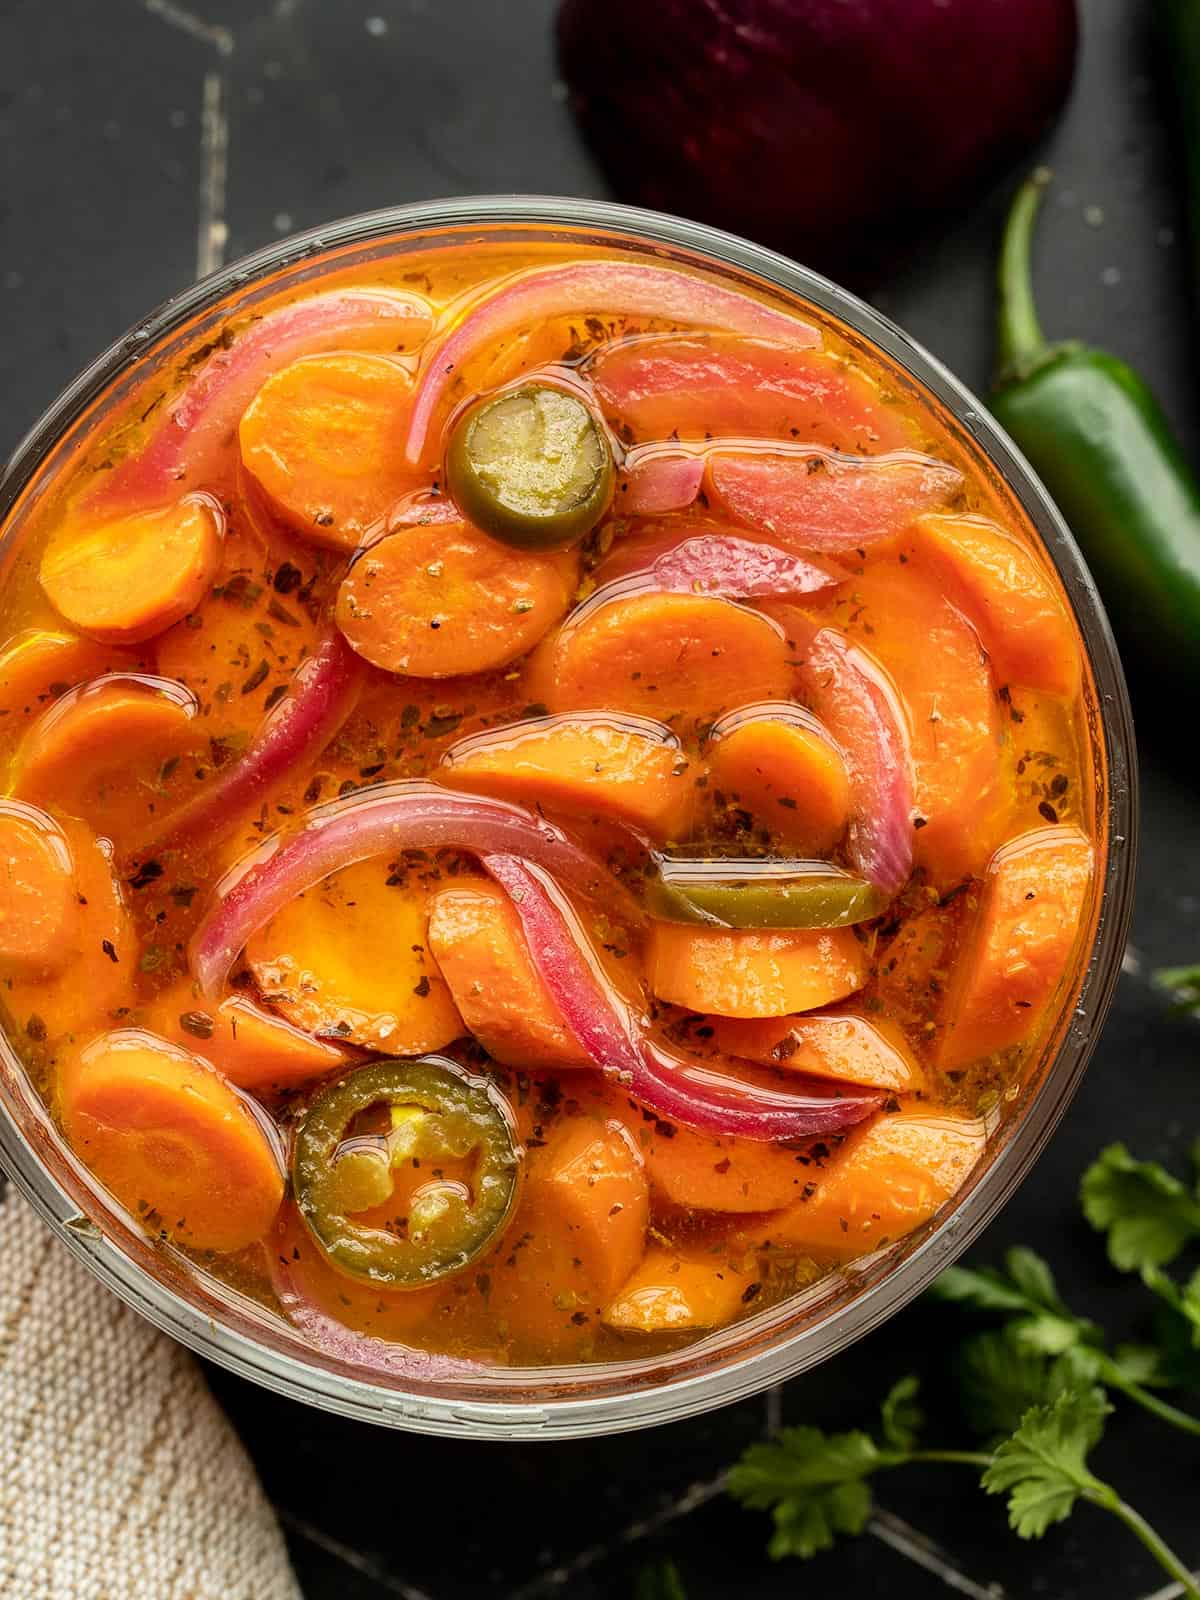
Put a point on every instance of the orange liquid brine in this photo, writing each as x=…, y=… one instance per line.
x=548, y=937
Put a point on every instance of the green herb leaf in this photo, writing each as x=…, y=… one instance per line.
x=901, y=1418
x=1183, y=983
x=1000, y=1377
x=1027, y=1284
x=1147, y=1213
x=813, y=1483
x=1043, y=1467
x=659, y=1582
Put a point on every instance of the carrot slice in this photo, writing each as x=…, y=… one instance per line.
x=323, y=439
x=578, y=1233
x=98, y=751
x=1017, y=950
x=672, y=1293
x=173, y=1142
x=442, y=599
x=703, y=1173
x=630, y=770
x=348, y=960
x=897, y=611
x=39, y=909
x=700, y=385
x=1011, y=601
x=480, y=948
x=849, y=1048
x=394, y=1316
x=746, y=973
x=677, y=657
x=782, y=766
x=38, y=665
x=247, y=1045
x=912, y=969
x=886, y=1178
x=132, y=577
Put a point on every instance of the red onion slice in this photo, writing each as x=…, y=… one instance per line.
x=390, y=817
x=196, y=430
x=657, y=481
x=323, y=693
x=819, y=500
x=733, y=568
x=678, y=1090
x=614, y=288
x=855, y=700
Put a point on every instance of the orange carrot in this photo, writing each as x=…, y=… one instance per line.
x=912, y=969
x=885, y=1178
x=323, y=439
x=480, y=948
x=671, y=1293
x=1009, y=598
x=898, y=612
x=348, y=960
x=705, y=1173
x=840, y=1045
x=1017, y=949
x=38, y=665
x=247, y=1045
x=366, y=1308
x=680, y=657
x=747, y=973
x=627, y=769
x=39, y=907
x=441, y=600
x=787, y=773
x=98, y=751
x=173, y=1142
x=132, y=577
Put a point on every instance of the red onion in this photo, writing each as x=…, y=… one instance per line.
x=738, y=569
x=390, y=817
x=678, y=1090
x=657, y=480
x=322, y=695
x=611, y=288
x=818, y=500
x=855, y=699
x=195, y=432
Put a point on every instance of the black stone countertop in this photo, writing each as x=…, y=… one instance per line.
x=140, y=142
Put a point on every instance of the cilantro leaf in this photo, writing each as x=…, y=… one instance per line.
x=813, y=1483
x=1000, y=1377
x=901, y=1418
x=1027, y=1285
x=1043, y=1467
x=1183, y=1299
x=1184, y=985
x=659, y=1582
x=1147, y=1213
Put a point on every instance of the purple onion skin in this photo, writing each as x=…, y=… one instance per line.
x=814, y=126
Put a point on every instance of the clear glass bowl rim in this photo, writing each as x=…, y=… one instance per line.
x=566, y=1417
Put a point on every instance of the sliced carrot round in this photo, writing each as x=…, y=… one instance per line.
x=740, y=973
x=38, y=665
x=349, y=960
x=848, y=1048
x=629, y=770
x=130, y=578
x=674, y=1292
x=779, y=764
x=678, y=657
x=442, y=599
x=249, y=1046
x=480, y=948
x=38, y=899
x=173, y=1142
x=323, y=439
x=704, y=1173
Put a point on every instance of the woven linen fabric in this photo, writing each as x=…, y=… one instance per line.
x=120, y=1478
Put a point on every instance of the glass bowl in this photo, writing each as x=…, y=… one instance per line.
x=565, y=1402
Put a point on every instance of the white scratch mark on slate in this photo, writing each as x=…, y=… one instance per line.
x=1170, y=1591
x=188, y=22
x=350, y=1557
x=1131, y=962
x=891, y=1530
x=212, y=231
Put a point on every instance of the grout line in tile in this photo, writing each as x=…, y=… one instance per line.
x=212, y=231
x=1170, y=1591
x=549, y=1583
x=349, y=1557
x=918, y=1548
x=176, y=16
x=774, y=1404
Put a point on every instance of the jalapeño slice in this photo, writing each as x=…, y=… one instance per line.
x=760, y=894
x=405, y=1171
x=532, y=467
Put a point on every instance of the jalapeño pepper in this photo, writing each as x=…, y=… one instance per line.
x=760, y=894
x=1102, y=445
x=404, y=1171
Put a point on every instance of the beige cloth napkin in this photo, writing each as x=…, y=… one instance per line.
x=120, y=1479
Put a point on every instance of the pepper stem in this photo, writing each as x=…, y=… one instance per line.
x=1020, y=343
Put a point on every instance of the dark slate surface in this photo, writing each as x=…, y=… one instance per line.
x=111, y=122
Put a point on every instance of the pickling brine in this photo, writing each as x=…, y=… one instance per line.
x=549, y=804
